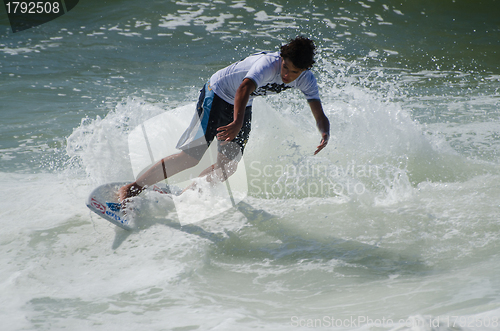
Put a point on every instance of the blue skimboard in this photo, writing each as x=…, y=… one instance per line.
x=104, y=202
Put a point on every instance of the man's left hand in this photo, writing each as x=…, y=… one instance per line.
x=323, y=142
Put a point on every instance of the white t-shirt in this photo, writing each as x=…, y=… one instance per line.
x=264, y=69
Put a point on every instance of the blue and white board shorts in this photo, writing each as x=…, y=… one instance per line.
x=211, y=113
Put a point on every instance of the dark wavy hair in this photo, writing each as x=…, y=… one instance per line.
x=300, y=51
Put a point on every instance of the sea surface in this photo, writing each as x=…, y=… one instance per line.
x=395, y=225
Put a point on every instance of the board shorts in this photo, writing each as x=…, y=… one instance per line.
x=211, y=113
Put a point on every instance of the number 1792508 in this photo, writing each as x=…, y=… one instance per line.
x=39, y=7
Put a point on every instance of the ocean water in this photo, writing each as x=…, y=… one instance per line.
x=394, y=226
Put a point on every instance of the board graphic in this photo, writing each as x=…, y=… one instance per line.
x=104, y=202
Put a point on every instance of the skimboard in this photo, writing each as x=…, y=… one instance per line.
x=104, y=202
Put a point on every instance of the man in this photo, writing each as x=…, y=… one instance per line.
x=224, y=111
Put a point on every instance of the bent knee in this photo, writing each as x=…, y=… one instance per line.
x=189, y=160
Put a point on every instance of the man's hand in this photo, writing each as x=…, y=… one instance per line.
x=323, y=142
x=322, y=123
x=228, y=132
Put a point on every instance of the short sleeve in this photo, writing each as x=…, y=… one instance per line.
x=308, y=85
x=263, y=70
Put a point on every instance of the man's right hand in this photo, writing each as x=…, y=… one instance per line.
x=228, y=132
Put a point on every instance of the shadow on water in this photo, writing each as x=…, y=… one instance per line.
x=122, y=235
x=291, y=246
x=295, y=246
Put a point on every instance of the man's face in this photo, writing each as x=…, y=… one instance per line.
x=289, y=72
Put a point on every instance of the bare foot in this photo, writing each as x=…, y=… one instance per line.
x=128, y=191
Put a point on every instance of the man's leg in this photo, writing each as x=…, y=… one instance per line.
x=164, y=168
x=217, y=172
x=222, y=170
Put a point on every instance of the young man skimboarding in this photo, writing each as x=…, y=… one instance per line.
x=224, y=111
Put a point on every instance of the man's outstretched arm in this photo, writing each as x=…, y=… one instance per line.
x=322, y=123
